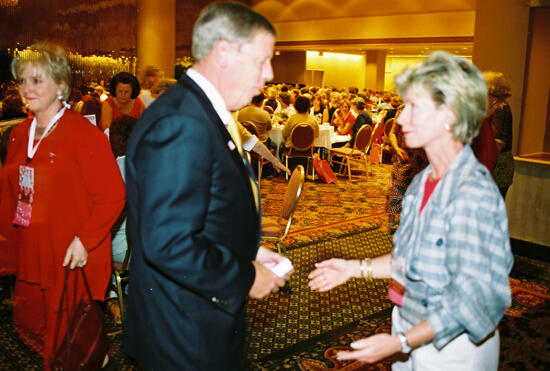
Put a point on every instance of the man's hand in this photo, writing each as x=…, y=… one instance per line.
x=265, y=282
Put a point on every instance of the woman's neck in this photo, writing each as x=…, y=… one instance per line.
x=441, y=155
x=124, y=107
x=43, y=118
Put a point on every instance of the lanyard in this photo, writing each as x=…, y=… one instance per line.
x=31, y=150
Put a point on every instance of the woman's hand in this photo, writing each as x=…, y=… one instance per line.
x=76, y=255
x=333, y=272
x=372, y=349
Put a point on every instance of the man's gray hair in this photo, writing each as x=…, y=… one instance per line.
x=454, y=82
x=229, y=21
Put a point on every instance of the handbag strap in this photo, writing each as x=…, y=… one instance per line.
x=65, y=294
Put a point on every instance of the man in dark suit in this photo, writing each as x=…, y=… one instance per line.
x=193, y=210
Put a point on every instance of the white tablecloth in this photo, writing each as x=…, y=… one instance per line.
x=326, y=137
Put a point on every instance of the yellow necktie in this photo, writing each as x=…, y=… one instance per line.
x=236, y=136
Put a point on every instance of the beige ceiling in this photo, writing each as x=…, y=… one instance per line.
x=301, y=10
x=281, y=11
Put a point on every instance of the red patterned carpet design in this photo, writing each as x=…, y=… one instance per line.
x=330, y=210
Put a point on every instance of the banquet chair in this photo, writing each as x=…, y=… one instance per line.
x=271, y=228
x=252, y=129
x=269, y=110
x=347, y=157
x=121, y=270
x=302, y=141
x=122, y=274
x=387, y=129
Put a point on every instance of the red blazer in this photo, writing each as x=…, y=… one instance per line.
x=78, y=192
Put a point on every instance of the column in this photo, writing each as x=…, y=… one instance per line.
x=375, y=69
x=500, y=44
x=156, y=35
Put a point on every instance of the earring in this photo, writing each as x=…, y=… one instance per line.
x=447, y=127
x=60, y=97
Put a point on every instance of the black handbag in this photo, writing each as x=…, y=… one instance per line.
x=85, y=344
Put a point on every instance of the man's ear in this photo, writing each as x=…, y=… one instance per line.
x=222, y=52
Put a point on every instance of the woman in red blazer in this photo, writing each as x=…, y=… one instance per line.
x=63, y=191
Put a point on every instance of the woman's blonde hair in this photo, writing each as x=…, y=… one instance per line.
x=454, y=82
x=51, y=58
x=497, y=85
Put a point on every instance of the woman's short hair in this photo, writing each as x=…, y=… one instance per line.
x=163, y=85
x=229, y=21
x=497, y=85
x=302, y=104
x=454, y=82
x=92, y=106
x=125, y=78
x=359, y=103
x=51, y=58
x=149, y=72
x=284, y=97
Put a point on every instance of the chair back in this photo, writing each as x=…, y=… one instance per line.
x=293, y=192
x=363, y=137
x=302, y=137
x=377, y=133
x=387, y=127
x=252, y=129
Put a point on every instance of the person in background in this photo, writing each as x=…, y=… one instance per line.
x=162, y=86
x=301, y=116
x=343, y=118
x=92, y=106
x=363, y=118
x=193, y=207
x=256, y=115
x=318, y=110
x=119, y=133
x=286, y=109
x=13, y=106
x=100, y=91
x=150, y=77
x=124, y=100
x=407, y=163
x=62, y=192
x=75, y=100
x=499, y=117
x=451, y=258
x=252, y=143
x=271, y=99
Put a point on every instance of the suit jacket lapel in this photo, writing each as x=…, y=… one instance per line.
x=214, y=118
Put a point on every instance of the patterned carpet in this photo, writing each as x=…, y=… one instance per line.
x=284, y=319
x=330, y=210
x=302, y=330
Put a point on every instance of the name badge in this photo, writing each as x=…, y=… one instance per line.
x=23, y=210
x=396, y=291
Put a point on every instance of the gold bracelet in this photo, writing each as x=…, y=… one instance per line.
x=369, y=268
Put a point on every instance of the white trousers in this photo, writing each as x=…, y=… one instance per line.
x=458, y=355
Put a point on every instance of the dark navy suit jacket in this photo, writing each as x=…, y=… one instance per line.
x=194, y=231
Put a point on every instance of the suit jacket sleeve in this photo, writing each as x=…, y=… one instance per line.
x=175, y=163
